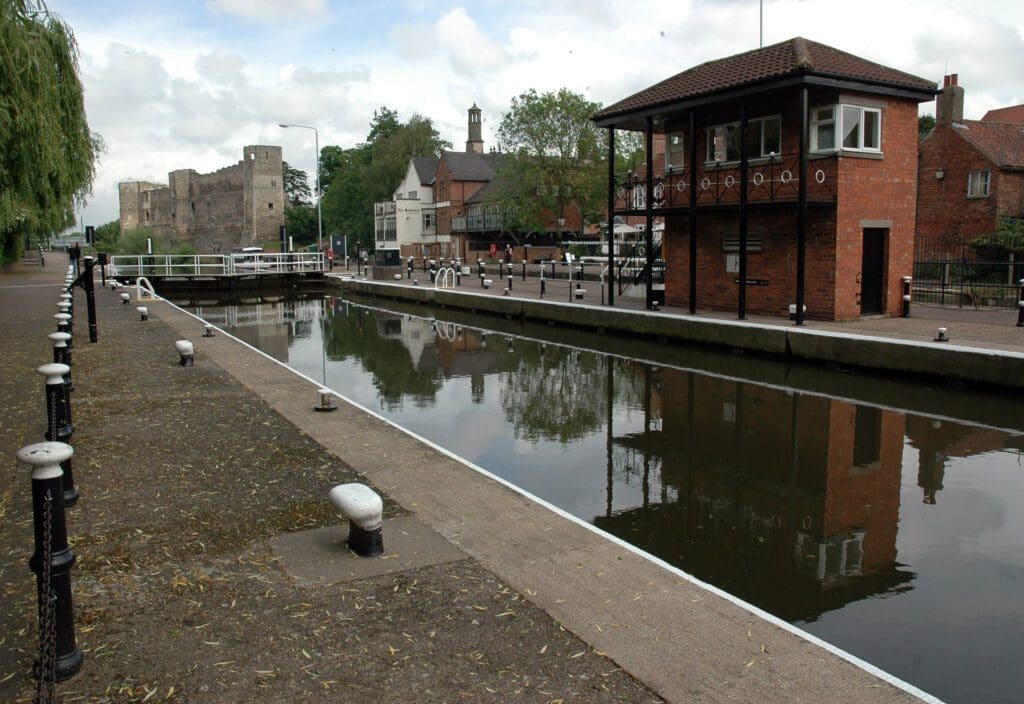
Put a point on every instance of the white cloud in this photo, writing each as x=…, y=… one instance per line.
x=271, y=10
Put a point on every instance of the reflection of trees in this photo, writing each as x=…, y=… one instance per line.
x=555, y=393
x=356, y=335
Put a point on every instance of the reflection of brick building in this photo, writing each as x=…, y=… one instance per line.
x=237, y=205
x=789, y=501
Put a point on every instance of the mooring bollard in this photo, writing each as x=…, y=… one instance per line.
x=143, y=312
x=187, y=351
x=62, y=355
x=364, y=509
x=58, y=421
x=510, y=279
x=63, y=323
x=326, y=400
x=125, y=298
x=52, y=562
x=1020, y=305
x=906, y=296
x=524, y=270
x=941, y=336
x=209, y=330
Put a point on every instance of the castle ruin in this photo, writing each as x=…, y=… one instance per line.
x=237, y=205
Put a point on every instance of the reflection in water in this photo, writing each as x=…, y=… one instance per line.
x=876, y=525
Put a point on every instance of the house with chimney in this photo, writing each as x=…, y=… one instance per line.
x=406, y=225
x=970, y=176
x=788, y=181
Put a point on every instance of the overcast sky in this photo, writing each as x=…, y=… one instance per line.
x=187, y=83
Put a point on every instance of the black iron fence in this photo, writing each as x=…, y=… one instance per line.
x=974, y=284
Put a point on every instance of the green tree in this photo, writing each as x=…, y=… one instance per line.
x=47, y=153
x=296, y=185
x=354, y=179
x=925, y=123
x=300, y=221
x=1006, y=240
x=107, y=236
x=557, y=156
x=134, y=242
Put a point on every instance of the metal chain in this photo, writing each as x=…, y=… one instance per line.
x=45, y=689
x=52, y=419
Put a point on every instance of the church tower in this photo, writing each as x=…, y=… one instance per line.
x=475, y=143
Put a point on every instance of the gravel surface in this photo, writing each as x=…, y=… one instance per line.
x=185, y=476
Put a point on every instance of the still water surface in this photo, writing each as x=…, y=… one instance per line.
x=883, y=517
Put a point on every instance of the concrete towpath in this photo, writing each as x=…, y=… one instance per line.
x=212, y=569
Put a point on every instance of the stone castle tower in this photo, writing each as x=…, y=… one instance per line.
x=237, y=205
x=475, y=143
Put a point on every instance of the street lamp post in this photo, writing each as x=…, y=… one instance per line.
x=319, y=195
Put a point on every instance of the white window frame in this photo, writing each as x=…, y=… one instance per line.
x=838, y=116
x=758, y=123
x=979, y=183
x=675, y=151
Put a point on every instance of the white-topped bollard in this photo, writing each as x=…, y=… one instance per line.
x=125, y=298
x=53, y=559
x=364, y=509
x=941, y=336
x=143, y=312
x=326, y=400
x=186, y=350
x=209, y=330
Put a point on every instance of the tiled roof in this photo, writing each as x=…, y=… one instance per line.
x=426, y=168
x=1013, y=114
x=469, y=166
x=1002, y=143
x=788, y=58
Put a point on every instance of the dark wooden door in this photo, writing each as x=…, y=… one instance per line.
x=872, y=266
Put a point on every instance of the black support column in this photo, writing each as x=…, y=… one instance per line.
x=611, y=215
x=801, y=225
x=693, y=212
x=741, y=308
x=649, y=235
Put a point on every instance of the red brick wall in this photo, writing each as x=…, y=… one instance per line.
x=878, y=189
x=1009, y=192
x=867, y=190
x=945, y=215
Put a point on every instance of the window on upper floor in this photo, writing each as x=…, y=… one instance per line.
x=764, y=138
x=848, y=127
x=978, y=183
x=412, y=195
x=428, y=221
x=674, y=153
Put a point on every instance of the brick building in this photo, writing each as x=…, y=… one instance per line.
x=237, y=205
x=788, y=177
x=970, y=174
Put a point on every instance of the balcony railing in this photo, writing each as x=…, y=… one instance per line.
x=769, y=180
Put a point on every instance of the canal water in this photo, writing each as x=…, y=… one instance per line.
x=884, y=517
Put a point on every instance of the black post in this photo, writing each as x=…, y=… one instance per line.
x=906, y=296
x=524, y=270
x=1020, y=305
x=62, y=355
x=693, y=212
x=801, y=223
x=52, y=562
x=103, y=268
x=58, y=421
x=742, y=304
x=90, y=296
x=611, y=215
x=649, y=204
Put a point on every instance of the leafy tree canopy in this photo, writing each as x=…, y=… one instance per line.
x=300, y=221
x=134, y=242
x=296, y=185
x=354, y=179
x=107, y=236
x=557, y=156
x=47, y=153
x=1006, y=240
x=925, y=123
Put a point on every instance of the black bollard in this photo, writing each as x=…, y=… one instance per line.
x=58, y=421
x=510, y=278
x=524, y=270
x=52, y=562
x=408, y=271
x=90, y=295
x=906, y=296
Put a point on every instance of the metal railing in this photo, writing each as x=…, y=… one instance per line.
x=975, y=284
x=133, y=266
